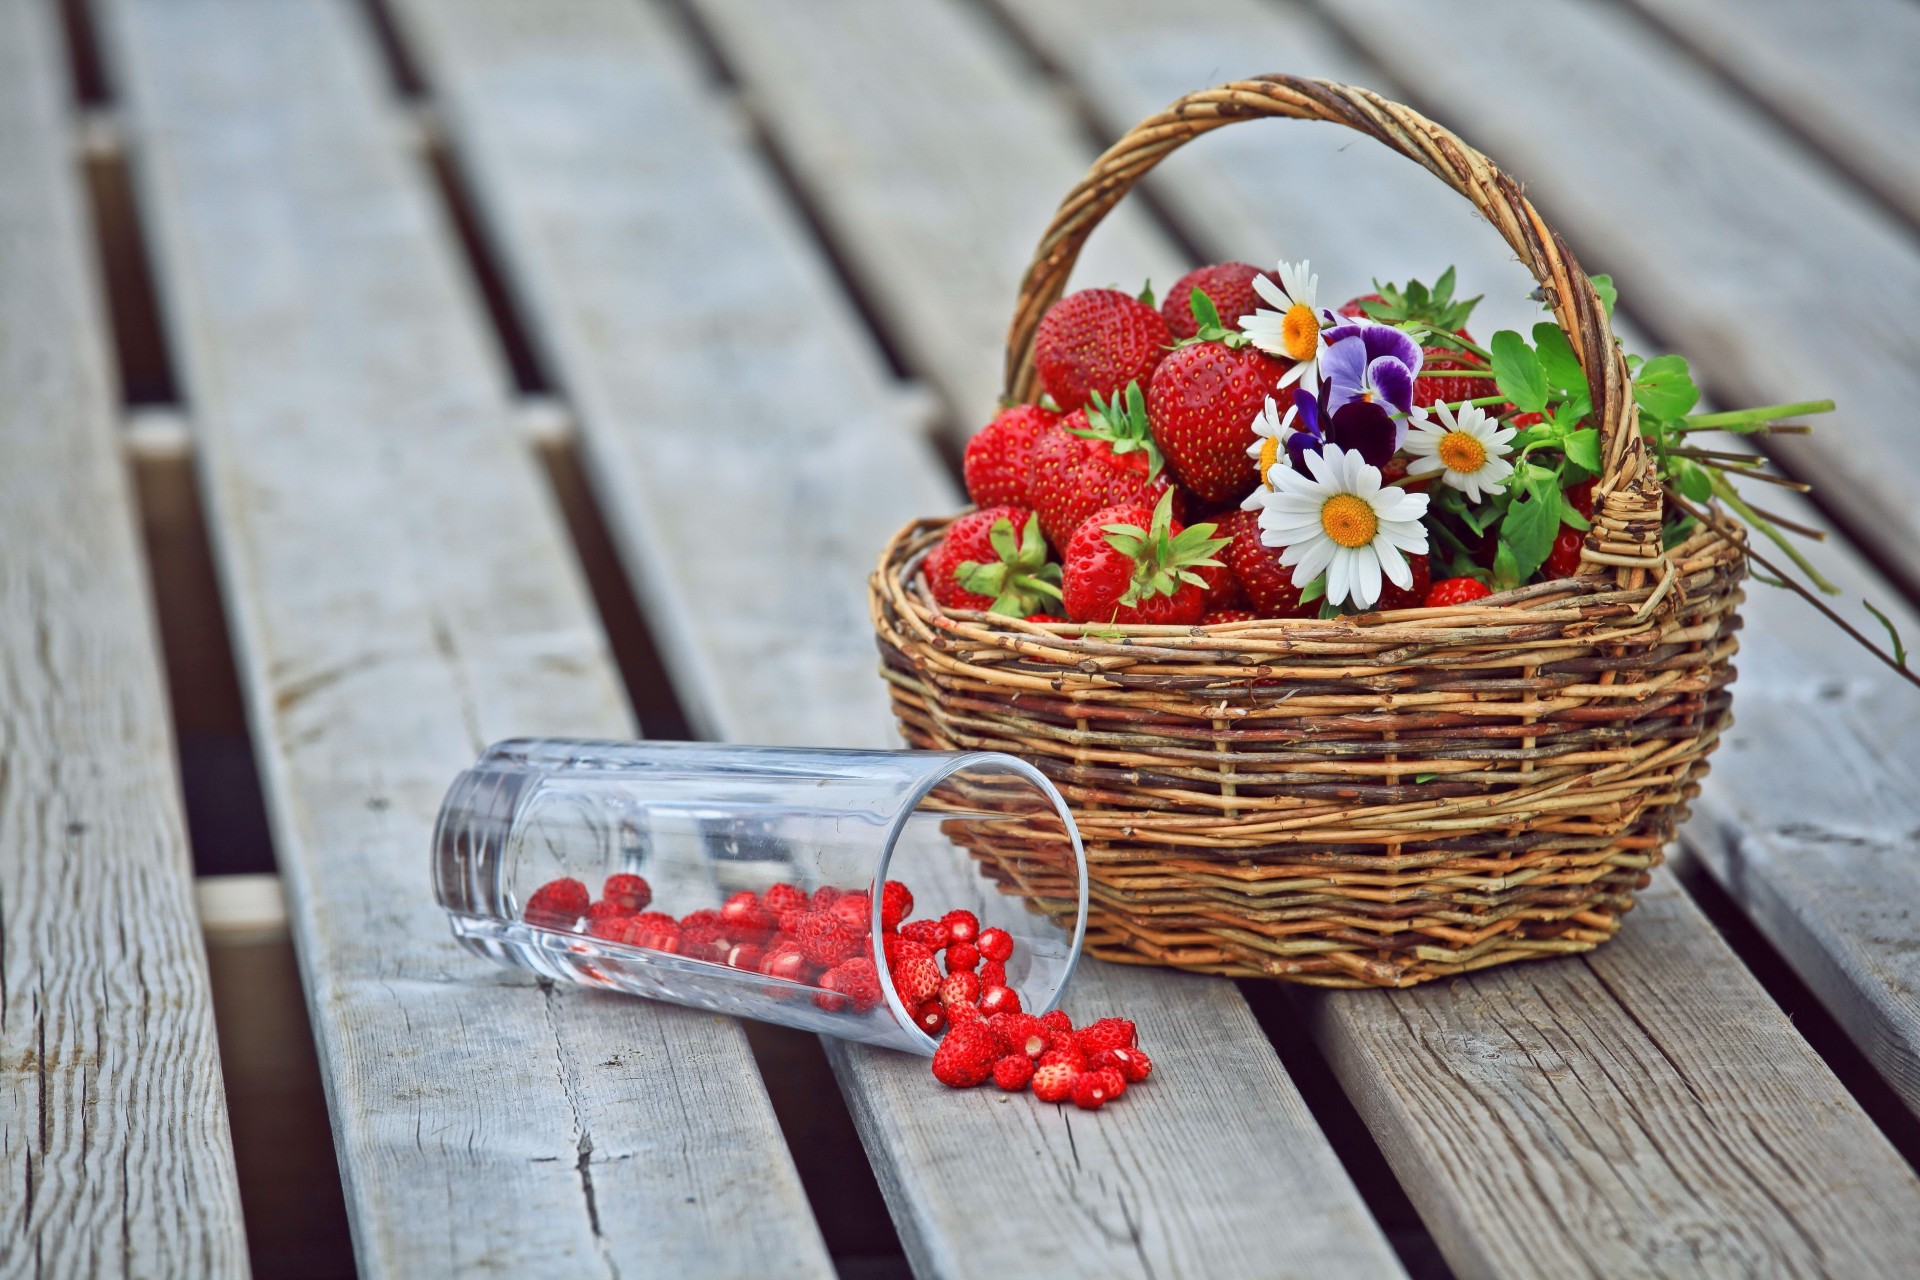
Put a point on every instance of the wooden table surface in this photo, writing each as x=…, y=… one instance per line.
x=446, y=293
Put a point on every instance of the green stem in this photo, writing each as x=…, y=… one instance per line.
x=1734, y=418
x=1724, y=490
x=1461, y=404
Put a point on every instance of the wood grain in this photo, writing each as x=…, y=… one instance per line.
x=611, y=234
x=401, y=595
x=115, y=1157
x=935, y=160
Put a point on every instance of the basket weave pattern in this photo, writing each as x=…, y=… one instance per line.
x=1361, y=801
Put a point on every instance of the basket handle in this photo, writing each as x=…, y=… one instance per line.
x=1627, y=508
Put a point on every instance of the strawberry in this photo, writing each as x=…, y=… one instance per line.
x=1229, y=288
x=959, y=1013
x=1214, y=617
x=930, y=1017
x=1107, y=1033
x=917, y=980
x=1429, y=389
x=1131, y=1063
x=1580, y=497
x=856, y=909
x=1222, y=590
x=823, y=897
x=1094, y=1089
x=1067, y=1054
x=1356, y=308
x=746, y=955
x=896, y=904
x=1021, y=1033
x=983, y=563
x=959, y=988
x=1564, y=560
x=633, y=893
x=655, y=930
x=1054, y=1082
x=1057, y=1022
x=992, y=974
x=703, y=935
x=825, y=939
x=1436, y=310
x=856, y=980
x=931, y=934
x=1097, y=340
x=746, y=916
x=1393, y=597
x=999, y=458
x=1101, y=456
x=1202, y=403
x=899, y=950
x=961, y=926
x=1013, y=1072
x=996, y=1000
x=786, y=962
x=962, y=955
x=1267, y=582
x=1453, y=591
x=966, y=1056
x=995, y=944
x=607, y=920
x=781, y=898
x=1132, y=564
x=557, y=904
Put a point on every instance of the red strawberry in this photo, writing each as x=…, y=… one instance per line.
x=1065, y=1053
x=896, y=904
x=655, y=930
x=1131, y=564
x=1013, y=1072
x=1057, y=1022
x=1202, y=402
x=1223, y=590
x=856, y=909
x=962, y=955
x=1267, y=582
x=992, y=974
x=931, y=1017
x=1131, y=1063
x=959, y=1013
x=746, y=916
x=1097, y=340
x=995, y=944
x=826, y=939
x=1428, y=389
x=823, y=897
x=1214, y=617
x=961, y=926
x=1228, y=286
x=899, y=950
x=1107, y=1033
x=786, y=962
x=996, y=1000
x=1053, y=1082
x=917, y=980
x=1101, y=456
x=782, y=898
x=1436, y=309
x=1354, y=308
x=855, y=979
x=993, y=559
x=959, y=988
x=1580, y=497
x=557, y=904
x=1564, y=560
x=1453, y=591
x=746, y=955
x=1094, y=1089
x=966, y=1056
x=929, y=933
x=1021, y=1033
x=607, y=920
x=1000, y=457
x=631, y=892
x=1393, y=597
x=703, y=934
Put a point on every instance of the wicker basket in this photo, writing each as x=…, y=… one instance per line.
x=1361, y=801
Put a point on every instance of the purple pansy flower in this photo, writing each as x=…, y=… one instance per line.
x=1358, y=426
x=1372, y=364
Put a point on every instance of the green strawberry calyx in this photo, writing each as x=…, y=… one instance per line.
x=1163, y=561
x=1122, y=423
x=1433, y=307
x=1021, y=582
x=1206, y=317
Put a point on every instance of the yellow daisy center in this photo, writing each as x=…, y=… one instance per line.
x=1349, y=520
x=1461, y=451
x=1300, y=331
x=1269, y=454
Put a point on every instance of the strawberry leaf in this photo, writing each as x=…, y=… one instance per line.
x=1314, y=590
x=1557, y=358
x=1664, y=387
x=1603, y=285
x=1582, y=448
x=1530, y=525
x=1518, y=373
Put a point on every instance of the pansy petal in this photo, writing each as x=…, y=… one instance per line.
x=1393, y=381
x=1366, y=428
x=1385, y=340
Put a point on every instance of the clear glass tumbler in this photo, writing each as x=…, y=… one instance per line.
x=538, y=843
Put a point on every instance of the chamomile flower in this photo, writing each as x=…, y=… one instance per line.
x=1269, y=447
x=1295, y=328
x=1344, y=522
x=1468, y=450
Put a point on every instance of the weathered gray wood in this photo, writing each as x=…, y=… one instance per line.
x=1777, y=281
x=401, y=595
x=1846, y=73
x=935, y=160
x=115, y=1158
x=615, y=234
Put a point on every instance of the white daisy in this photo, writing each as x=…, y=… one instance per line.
x=1269, y=447
x=1469, y=451
x=1296, y=327
x=1342, y=521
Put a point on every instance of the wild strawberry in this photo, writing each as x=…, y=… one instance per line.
x=788, y=922
x=992, y=974
x=929, y=933
x=1013, y=1072
x=557, y=904
x=1564, y=560
x=965, y=1057
x=999, y=458
x=1452, y=591
x=1129, y=564
x=1355, y=308
x=931, y=1017
x=1267, y=582
x=896, y=904
x=705, y=925
x=917, y=980
x=607, y=920
x=1202, y=402
x=1057, y=1022
x=1097, y=340
x=856, y=980
x=632, y=892
x=993, y=560
x=746, y=955
x=1021, y=1033
x=1100, y=456
x=959, y=1013
x=787, y=962
x=826, y=939
x=1430, y=389
x=1094, y=1089
x=962, y=955
x=1132, y=1063
x=746, y=917
x=899, y=950
x=782, y=898
x=1107, y=1033
x=1214, y=617
x=856, y=909
x=1394, y=597
x=1053, y=1082
x=654, y=930
x=999, y=1000
x=1067, y=1054
x=961, y=926
x=995, y=944
x=959, y=988
x=1580, y=497
x=1229, y=288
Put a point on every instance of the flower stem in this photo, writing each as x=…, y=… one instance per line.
x=1723, y=489
x=1461, y=404
x=1736, y=419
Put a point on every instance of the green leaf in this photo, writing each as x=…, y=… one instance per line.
x=1570, y=515
x=1582, y=448
x=1517, y=372
x=1531, y=526
x=1005, y=544
x=1424, y=778
x=1893, y=634
x=1664, y=388
x=1506, y=570
x=1691, y=479
x=1146, y=292
x=1443, y=289
x=1314, y=590
x=1205, y=314
x=1603, y=285
x=1676, y=533
x=1557, y=358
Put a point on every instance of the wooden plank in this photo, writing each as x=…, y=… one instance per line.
x=115, y=1157
x=540, y=112
x=935, y=160
x=1724, y=239
x=1127, y=62
x=401, y=595
x=1842, y=73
